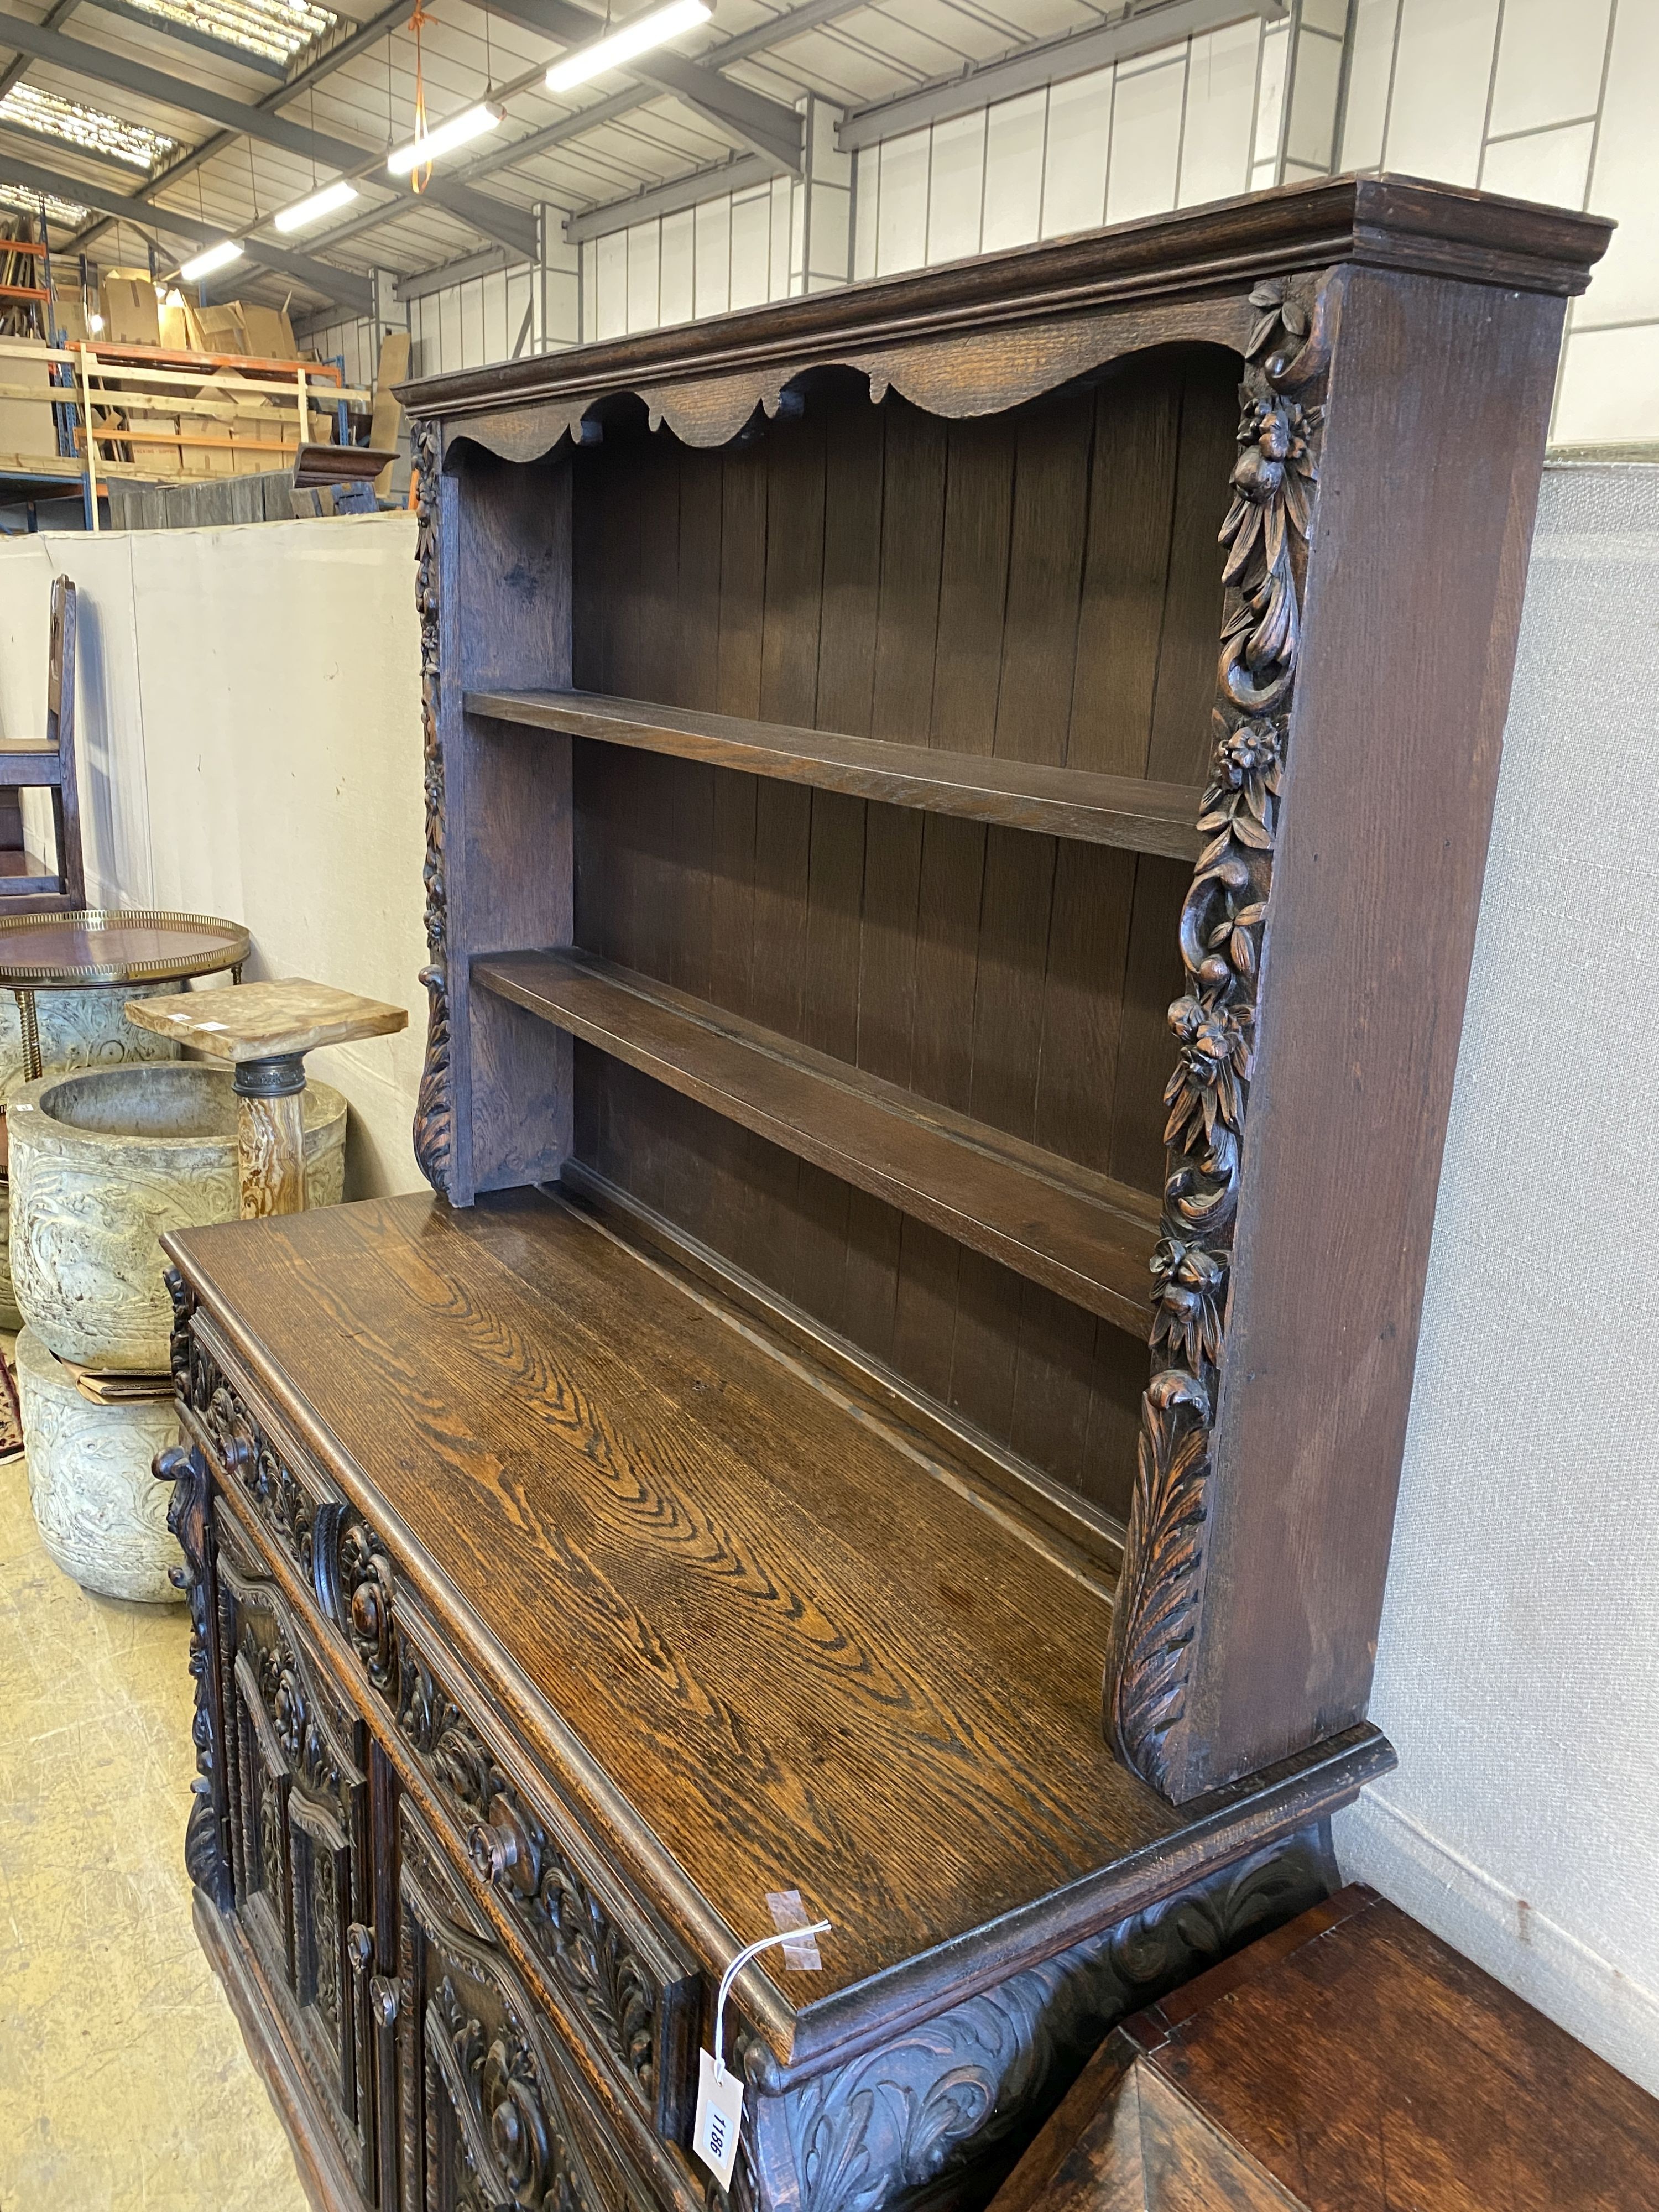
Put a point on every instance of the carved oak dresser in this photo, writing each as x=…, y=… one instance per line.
x=886, y=988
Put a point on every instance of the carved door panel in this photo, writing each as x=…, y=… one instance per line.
x=494, y=2118
x=299, y=1811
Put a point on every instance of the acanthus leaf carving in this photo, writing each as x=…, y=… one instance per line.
x=206, y=1859
x=939, y=2100
x=433, y=1114
x=1223, y=919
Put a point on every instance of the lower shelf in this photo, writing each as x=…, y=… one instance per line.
x=1079, y=1234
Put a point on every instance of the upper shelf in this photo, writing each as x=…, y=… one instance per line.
x=1076, y=1231
x=1062, y=802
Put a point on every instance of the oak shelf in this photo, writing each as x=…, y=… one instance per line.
x=1077, y=1232
x=1125, y=810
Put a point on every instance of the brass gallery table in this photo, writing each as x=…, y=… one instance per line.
x=95, y=949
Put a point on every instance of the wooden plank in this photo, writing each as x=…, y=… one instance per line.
x=1079, y=1234
x=856, y=451
x=1120, y=618
x=912, y=535
x=979, y=494
x=1123, y=811
x=1045, y=575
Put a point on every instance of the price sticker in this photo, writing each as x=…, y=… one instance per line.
x=718, y=2121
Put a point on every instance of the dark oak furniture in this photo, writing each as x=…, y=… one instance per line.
x=735, y=1478
x=1350, y=2062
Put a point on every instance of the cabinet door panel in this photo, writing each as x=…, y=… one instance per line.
x=299, y=1824
x=495, y=2120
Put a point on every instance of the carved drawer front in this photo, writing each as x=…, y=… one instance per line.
x=617, y=1983
x=494, y=2117
x=298, y=1801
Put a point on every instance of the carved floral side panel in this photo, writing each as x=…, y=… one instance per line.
x=433, y=1114
x=1265, y=540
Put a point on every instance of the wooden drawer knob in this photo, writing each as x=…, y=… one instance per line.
x=502, y=1848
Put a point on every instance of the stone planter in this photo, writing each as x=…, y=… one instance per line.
x=102, y=1514
x=102, y=1163
x=76, y=1029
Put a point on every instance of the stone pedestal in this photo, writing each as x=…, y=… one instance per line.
x=102, y=1514
x=102, y=1165
x=75, y=1029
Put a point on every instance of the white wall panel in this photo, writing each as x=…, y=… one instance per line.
x=714, y=256
x=1074, y=163
x=1146, y=140
x=678, y=299
x=1215, y=136
x=1549, y=64
x=1442, y=80
x=866, y=198
x=644, y=275
x=1015, y=132
x=449, y=329
x=1625, y=177
x=779, y=220
x=1609, y=393
x=1541, y=165
x=611, y=318
x=751, y=248
x=496, y=336
x=955, y=198
x=1371, y=78
x=472, y=335
x=902, y=219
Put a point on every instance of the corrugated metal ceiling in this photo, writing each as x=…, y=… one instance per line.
x=356, y=83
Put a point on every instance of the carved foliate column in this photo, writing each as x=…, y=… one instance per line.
x=205, y=1858
x=434, y=1119
x=1158, y=1608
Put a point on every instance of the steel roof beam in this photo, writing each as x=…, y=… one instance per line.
x=353, y=293
x=765, y=126
x=508, y=226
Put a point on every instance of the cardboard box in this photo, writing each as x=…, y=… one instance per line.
x=175, y=328
x=131, y=313
x=69, y=316
x=26, y=425
x=243, y=327
x=268, y=332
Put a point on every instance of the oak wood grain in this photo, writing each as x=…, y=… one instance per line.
x=1078, y=1233
x=1104, y=810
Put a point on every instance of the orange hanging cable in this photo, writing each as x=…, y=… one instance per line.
x=420, y=177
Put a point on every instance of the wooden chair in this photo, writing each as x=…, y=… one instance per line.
x=27, y=885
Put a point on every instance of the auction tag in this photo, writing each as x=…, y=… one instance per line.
x=719, y=2119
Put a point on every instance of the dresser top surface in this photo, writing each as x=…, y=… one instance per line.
x=798, y=1658
x=805, y=1660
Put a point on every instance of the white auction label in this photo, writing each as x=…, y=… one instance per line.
x=718, y=2121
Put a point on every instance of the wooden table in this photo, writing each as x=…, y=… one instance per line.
x=95, y=949
x=1351, y=2062
x=265, y=1031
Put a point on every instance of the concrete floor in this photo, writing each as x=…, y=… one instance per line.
x=124, y=2081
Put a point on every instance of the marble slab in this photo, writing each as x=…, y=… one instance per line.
x=261, y=1021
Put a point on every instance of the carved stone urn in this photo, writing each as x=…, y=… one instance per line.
x=76, y=1029
x=102, y=1514
x=102, y=1165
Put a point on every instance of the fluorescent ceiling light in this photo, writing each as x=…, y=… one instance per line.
x=460, y=131
x=214, y=257
x=337, y=195
x=654, y=28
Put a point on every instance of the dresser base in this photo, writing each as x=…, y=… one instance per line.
x=323, y=2176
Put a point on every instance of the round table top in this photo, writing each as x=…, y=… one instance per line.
x=76, y=951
